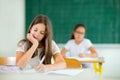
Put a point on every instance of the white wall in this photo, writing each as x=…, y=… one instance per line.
x=111, y=53
x=11, y=25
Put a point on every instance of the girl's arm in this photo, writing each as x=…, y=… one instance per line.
x=59, y=64
x=63, y=52
x=93, y=53
x=23, y=58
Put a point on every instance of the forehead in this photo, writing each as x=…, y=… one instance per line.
x=39, y=26
x=80, y=29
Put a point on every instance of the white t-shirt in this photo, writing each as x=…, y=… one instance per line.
x=75, y=49
x=35, y=61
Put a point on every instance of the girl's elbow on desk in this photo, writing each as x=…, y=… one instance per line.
x=60, y=64
x=20, y=64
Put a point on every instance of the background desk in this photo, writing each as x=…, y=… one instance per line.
x=89, y=60
x=97, y=62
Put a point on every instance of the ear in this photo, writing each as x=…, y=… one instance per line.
x=30, y=30
x=73, y=32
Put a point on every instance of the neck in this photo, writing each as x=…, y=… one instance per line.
x=78, y=42
x=40, y=45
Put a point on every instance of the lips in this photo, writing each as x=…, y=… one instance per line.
x=35, y=37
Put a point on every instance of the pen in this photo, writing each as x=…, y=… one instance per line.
x=42, y=60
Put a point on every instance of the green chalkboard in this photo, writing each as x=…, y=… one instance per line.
x=101, y=17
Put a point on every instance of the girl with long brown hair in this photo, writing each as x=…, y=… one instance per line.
x=38, y=48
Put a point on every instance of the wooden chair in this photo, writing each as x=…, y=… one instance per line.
x=7, y=60
x=72, y=63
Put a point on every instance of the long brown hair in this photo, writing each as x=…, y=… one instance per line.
x=46, y=41
x=77, y=26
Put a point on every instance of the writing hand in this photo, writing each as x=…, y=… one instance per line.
x=41, y=68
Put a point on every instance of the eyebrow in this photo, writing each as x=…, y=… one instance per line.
x=40, y=30
x=36, y=28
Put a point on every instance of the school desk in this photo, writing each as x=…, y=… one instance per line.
x=97, y=62
x=86, y=74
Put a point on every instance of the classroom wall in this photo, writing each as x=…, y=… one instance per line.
x=11, y=25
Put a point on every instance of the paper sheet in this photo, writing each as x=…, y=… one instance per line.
x=15, y=69
x=70, y=72
x=30, y=71
x=9, y=69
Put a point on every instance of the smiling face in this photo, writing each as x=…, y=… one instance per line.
x=79, y=34
x=38, y=31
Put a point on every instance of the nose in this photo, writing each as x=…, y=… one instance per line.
x=36, y=34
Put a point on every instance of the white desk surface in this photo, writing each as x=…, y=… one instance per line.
x=86, y=74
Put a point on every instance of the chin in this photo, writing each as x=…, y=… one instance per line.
x=79, y=39
x=39, y=40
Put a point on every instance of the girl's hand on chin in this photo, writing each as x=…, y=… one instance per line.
x=32, y=39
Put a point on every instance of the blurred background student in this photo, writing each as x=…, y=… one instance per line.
x=78, y=45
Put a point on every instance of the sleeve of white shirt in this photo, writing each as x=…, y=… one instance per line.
x=55, y=48
x=20, y=47
x=67, y=45
x=89, y=43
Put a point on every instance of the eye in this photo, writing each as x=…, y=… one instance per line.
x=35, y=30
x=42, y=32
x=82, y=33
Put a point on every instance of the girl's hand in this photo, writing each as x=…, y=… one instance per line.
x=82, y=55
x=31, y=38
x=41, y=68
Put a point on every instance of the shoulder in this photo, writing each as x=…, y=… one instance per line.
x=22, y=42
x=71, y=41
x=54, y=44
x=55, y=48
x=87, y=40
